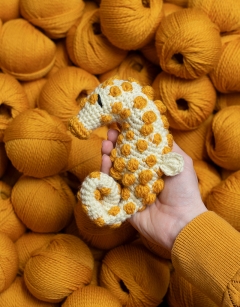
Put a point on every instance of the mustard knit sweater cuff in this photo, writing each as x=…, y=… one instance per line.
x=207, y=254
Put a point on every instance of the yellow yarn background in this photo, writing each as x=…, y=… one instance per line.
x=52, y=55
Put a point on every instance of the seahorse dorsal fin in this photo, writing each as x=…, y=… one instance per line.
x=171, y=163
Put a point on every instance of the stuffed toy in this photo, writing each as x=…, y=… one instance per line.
x=143, y=152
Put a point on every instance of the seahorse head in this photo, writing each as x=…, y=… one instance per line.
x=97, y=109
x=113, y=100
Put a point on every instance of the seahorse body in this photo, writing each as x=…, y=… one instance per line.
x=141, y=156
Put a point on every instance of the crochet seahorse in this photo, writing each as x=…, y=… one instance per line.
x=143, y=152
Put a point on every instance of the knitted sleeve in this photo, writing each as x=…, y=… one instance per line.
x=207, y=254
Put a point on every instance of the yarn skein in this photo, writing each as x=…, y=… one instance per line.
x=135, y=275
x=8, y=262
x=18, y=295
x=58, y=269
x=193, y=142
x=9, y=9
x=62, y=58
x=225, y=14
x=183, y=294
x=54, y=17
x=130, y=25
x=189, y=102
x=135, y=65
x=13, y=101
x=188, y=44
x=208, y=177
x=85, y=156
x=10, y=224
x=63, y=91
x=226, y=73
x=104, y=238
x=91, y=296
x=227, y=100
x=224, y=200
x=37, y=143
x=32, y=90
x=89, y=49
x=3, y=160
x=53, y=212
x=27, y=244
x=25, y=53
x=222, y=139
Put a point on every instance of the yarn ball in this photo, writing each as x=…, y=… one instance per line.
x=3, y=159
x=8, y=262
x=224, y=200
x=91, y=296
x=62, y=92
x=188, y=44
x=10, y=224
x=158, y=250
x=18, y=295
x=135, y=275
x=227, y=100
x=25, y=53
x=61, y=267
x=37, y=143
x=84, y=156
x=62, y=58
x=208, y=177
x=54, y=17
x=129, y=25
x=105, y=237
x=222, y=139
x=89, y=49
x=13, y=101
x=189, y=102
x=53, y=212
x=193, y=142
x=9, y=9
x=226, y=73
x=32, y=90
x=27, y=244
x=183, y=294
x=225, y=14
x=135, y=65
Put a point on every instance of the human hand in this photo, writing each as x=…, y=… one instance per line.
x=178, y=203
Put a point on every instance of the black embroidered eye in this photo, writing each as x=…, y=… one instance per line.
x=99, y=101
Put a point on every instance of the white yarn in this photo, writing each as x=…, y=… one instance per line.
x=100, y=104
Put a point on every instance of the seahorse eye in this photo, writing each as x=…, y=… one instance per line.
x=99, y=101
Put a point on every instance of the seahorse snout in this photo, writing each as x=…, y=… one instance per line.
x=78, y=129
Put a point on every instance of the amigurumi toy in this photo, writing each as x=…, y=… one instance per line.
x=143, y=152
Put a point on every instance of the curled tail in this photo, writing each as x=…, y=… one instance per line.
x=101, y=199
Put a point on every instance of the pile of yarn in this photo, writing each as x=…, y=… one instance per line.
x=53, y=54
